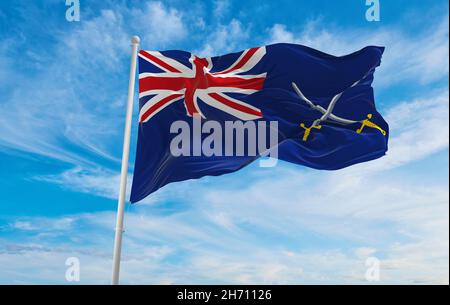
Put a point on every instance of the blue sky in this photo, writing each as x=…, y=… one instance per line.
x=62, y=101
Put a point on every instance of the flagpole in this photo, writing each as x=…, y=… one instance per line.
x=124, y=169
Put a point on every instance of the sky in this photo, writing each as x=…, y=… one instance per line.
x=63, y=88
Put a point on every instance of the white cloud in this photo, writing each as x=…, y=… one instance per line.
x=228, y=231
x=225, y=39
x=44, y=225
x=365, y=252
x=73, y=110
x=105, y=183
x=58, y=108
x=101, y=182
x=221, y=7
x=158, y=24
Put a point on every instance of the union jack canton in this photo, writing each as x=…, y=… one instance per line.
x=197, y=81
x=324, y=106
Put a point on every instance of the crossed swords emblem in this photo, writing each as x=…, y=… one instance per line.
x=328, y=116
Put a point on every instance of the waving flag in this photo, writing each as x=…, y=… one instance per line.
x=323, y=106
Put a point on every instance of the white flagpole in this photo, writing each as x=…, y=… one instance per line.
x=124, y=170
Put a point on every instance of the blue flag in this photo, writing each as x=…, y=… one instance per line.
x=210, y=116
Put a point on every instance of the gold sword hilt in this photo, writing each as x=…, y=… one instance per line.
x=368, y=123
x=308, y=130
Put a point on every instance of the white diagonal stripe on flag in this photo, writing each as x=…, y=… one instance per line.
x=243, y=115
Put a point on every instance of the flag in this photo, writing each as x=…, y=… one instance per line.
x=314, y=109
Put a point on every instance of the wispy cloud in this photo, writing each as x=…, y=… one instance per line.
x=419, y=129
x=221, y=7
x=72, y=110
x=316, y=236
x=53, y=113
x=98, y=181
x=158, y=24
x=226, y=38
